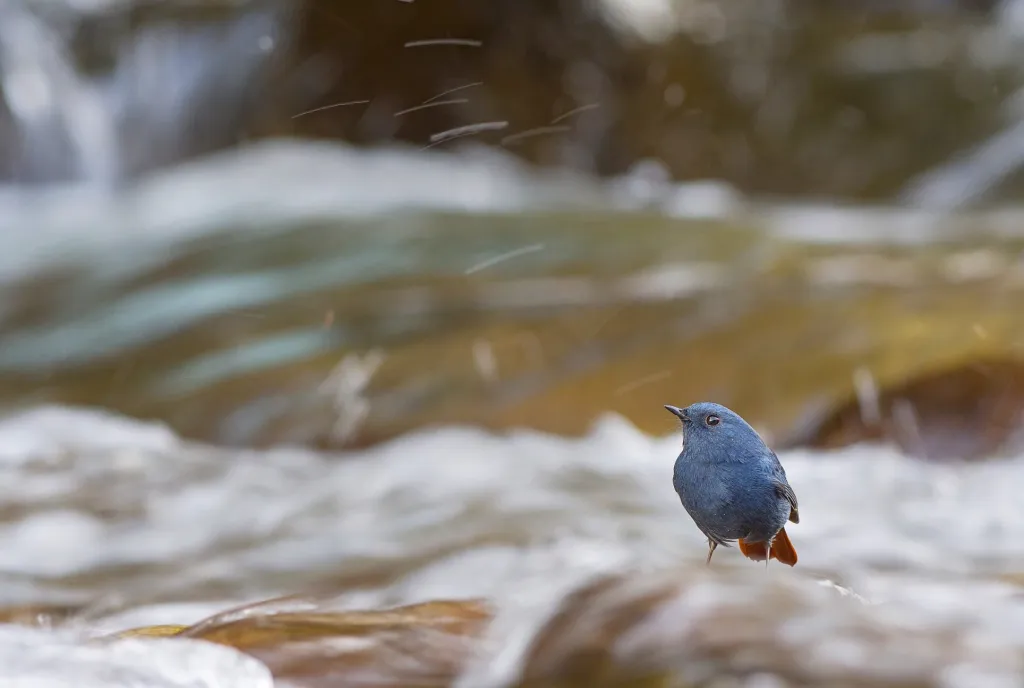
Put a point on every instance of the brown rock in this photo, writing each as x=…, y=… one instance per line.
x=424, y=644
x=42, y=615
x=162, y=631
x=634, y=628
x=723, y=629
x=969, y=411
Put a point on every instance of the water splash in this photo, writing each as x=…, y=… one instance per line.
x=156, y=95
x=64, y=121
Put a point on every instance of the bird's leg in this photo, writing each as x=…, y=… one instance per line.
x=768, y=552
x=711, y=550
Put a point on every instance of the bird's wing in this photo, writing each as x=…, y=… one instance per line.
x=783, y=489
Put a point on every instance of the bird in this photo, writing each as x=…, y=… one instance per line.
x=732, y=485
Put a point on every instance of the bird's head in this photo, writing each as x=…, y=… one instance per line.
x=716, y=432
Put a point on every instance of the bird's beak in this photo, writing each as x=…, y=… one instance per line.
x=678, y=413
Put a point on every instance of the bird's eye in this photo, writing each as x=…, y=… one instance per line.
x=712, y=420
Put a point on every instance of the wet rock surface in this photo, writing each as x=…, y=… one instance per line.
x=629, y=629
x=972, y=411
x=426, y=644
x=41, y=615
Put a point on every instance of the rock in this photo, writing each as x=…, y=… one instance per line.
x=163, y=631
x=971, y=411
x=38, y=615
x=718, y=630
x=634, y=628
x=422, y=644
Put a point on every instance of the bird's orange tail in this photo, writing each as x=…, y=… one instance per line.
x=782, y=549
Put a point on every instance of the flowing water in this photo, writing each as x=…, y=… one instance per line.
x=145, y=529
x=98, y=92
x=124, y=522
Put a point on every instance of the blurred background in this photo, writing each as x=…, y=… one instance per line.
x=379, y=302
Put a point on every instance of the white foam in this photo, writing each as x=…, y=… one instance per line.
x=36, y=659
x=250, y=516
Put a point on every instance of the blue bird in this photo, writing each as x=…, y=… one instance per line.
x=732, y=484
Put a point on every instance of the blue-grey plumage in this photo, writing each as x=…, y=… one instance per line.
x=732, y=484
